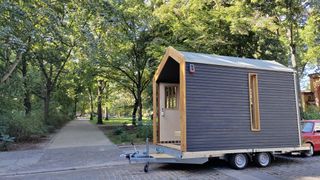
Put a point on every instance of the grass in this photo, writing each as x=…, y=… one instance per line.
x=121, y=132
x=118, y=121
x=125, y=138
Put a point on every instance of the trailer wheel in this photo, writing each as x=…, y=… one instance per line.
x=238, y=161
x=262, y=159
x=146, y=168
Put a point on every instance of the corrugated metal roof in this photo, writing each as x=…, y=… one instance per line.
x=234, y=61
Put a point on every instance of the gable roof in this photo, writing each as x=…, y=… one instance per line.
x=181, y=57
x=234, y=61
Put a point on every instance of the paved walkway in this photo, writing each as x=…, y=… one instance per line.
x=79, y=133
x=78, y=145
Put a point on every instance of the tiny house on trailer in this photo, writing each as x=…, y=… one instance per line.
x=219, y=106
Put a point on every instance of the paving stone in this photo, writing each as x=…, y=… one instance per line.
x=100, y=160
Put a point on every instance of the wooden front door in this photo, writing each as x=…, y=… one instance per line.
x=169, y=112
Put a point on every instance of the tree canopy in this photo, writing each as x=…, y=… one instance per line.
x=68, y=57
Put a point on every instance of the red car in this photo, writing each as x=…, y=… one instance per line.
x=311, y=135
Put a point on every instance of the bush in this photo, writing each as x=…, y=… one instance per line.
x=125, y=125
x=124, y=137
x=312, y=112
x=143, y=131
x=117, y=131
x=5, y=141
x=25, y=127
x=57, y=120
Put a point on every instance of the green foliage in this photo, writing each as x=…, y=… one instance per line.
x=57, y=120
x=144, y=131
x=220, y=28
x=25, y=127
x=312, y=112
x=118, y=131
x=38, y=37
x=125, y=137
x=128, y=134
x=5, y=141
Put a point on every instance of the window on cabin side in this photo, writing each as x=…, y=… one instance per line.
x=254, y=102
x=171, y=97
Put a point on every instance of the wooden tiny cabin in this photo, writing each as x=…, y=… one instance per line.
x=208, y=102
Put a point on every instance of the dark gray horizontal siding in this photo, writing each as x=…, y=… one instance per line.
x=218, y=115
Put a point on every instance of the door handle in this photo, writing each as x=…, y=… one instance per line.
x=162, y=112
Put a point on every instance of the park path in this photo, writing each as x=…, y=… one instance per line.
x=78, y=145
x=79, y=133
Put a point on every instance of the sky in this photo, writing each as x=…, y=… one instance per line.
x=304, y=82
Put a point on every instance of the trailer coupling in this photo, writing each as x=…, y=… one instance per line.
x=139, y=158
x=136, y=156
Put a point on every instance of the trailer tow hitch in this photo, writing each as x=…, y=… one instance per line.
x=140, y=157
x=136, y=156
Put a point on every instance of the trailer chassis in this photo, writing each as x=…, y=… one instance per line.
x=238, y=159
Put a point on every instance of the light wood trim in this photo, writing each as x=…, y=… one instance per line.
x=221, y=153
x=158, y=111
x=297, y=106
x=256, y=110
x=155, y=111
x=178, y=57
x=162, y=156
x=170, y=52
x=182, y=107
x=169, y=145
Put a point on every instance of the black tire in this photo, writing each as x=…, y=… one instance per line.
x=238, y=161
x=146, y=168
x=310, y=152
x=262, y=159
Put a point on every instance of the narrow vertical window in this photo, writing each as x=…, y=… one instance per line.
x=254, y=102
x=171, y=97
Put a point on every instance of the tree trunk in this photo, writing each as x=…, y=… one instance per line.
x=293, y=62
x=26, y=99
x=75, y=105
x=107, y=97
x=91, y=103
x=100, y=89
x=134, y=112
x=107, y=113
x=47, y=101
x=46, y=106
x=140, y=109
x=12, y=68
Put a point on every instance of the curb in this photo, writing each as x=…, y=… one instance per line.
x=116, y=163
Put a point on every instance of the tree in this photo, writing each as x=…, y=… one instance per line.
x=37, y=40
x=130, y=51
x=52, y=48
x=12, y=38
x=93, y=48
x=16, y=34
x=217, y=27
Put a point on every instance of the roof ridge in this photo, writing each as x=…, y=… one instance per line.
x=233, y=61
